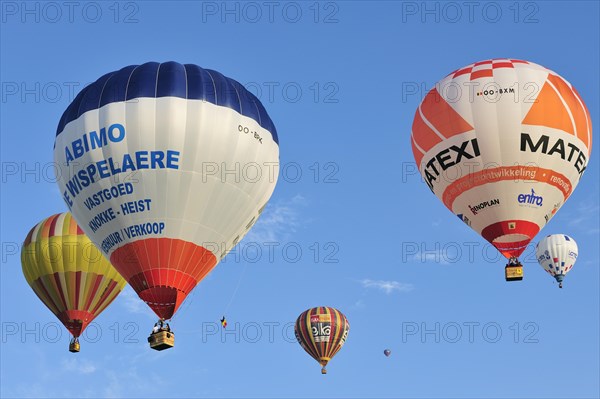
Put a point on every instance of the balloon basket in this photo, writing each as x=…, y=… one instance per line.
x=323, y=370
x=513, y=272
x=161, y=340
x=74, y=347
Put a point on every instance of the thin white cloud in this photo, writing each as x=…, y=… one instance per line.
x=133, y=304
x=32, y=390
x=107, y=377
x=435, y=256
x=128, y=381
x=74, y=365
x=387, y=286
x=360, y=304
x=278, y=221
x=114, y=388
x=585, y=217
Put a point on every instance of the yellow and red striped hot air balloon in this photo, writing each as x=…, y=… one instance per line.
x=68, y=273
x=322, y=331
x=503, y=143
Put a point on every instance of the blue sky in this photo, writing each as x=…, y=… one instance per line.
x=338, y=79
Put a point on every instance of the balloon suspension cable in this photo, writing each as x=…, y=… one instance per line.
x=185, y=305
x=236, y=289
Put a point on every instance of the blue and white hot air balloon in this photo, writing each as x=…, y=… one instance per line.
x=166, y=167
x=557, y=254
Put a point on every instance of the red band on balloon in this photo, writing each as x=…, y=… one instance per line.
x=509, y=227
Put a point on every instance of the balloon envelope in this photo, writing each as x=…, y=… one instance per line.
x=322, y=331
x=503, y=144
x=68, y=273
x=387, y=352
x=166, y=167
x=557, y=254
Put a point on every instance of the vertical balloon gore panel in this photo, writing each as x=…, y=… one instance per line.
x=502, y=143
x=166, y=172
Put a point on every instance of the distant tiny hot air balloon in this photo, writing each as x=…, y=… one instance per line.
x=68, y=273
x=557, y=254
x=503, y=143
x=387, y=352
x=322, y=331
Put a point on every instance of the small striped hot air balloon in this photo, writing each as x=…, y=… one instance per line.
x=322, y=331
x=557, y=254
x=503, y=143
x=68, y=273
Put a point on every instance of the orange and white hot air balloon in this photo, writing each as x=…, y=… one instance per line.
x=503, y=143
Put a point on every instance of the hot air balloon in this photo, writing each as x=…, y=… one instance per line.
x=503, y=143
x=166, y=166
x=387, y=352
x=322, y=332
x=557, y=254
x=68, y=273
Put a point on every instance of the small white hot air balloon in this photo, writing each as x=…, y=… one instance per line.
x=557, y=254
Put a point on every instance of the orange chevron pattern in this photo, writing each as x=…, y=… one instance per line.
x=558, y=106
x=442, y=117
